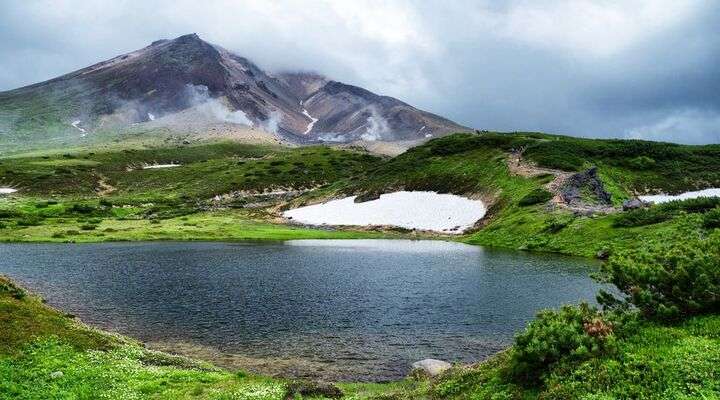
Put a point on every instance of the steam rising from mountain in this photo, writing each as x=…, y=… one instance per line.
x=199, y=97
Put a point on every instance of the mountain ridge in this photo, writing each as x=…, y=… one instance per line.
x=169, y=76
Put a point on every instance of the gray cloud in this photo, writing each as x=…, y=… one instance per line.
x=636, y=68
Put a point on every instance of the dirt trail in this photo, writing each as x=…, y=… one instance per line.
x=103, y=187
x=518, y=166
x=523, y=168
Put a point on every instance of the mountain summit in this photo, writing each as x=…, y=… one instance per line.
x=171, y=76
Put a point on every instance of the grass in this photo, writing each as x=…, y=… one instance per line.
x=228, y=225
x=656, y=362
x=176, y=203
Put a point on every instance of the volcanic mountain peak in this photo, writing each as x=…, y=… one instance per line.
x=169, y=76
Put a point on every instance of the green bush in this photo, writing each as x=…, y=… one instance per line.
x=641, y=163
x=574, y=333
x=537, y=196
x=667, y=280
x=6, y=286
x=559, y=223
x=641, y=217
x=697, y=205
x=82, y=208
x=29, y=221
x=711, y=219
x=88, y=227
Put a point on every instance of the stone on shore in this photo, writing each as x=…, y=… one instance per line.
x=431, y=366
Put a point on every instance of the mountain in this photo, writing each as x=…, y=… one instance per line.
x=172, y=76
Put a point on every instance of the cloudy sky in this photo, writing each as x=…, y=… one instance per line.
x=627, y=68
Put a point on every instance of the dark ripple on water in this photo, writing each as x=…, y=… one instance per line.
x=355, y=310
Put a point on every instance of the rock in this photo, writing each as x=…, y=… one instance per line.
x=584, y=182
x=361, y=198
x=431, y=366
x=633, y=204
x=312, y=389
x=602, y=254
x=56, y=374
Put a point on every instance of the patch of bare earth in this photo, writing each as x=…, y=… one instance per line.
x=518, y=166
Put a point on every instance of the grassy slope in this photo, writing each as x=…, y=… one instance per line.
x=476, y=165
x=462, y=164
x=58, y=200
x=656, y=362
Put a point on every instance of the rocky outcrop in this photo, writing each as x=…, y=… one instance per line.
x=585, y=188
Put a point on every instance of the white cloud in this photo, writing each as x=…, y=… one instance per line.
x=590, y=27
x=687, y=126
x=507, y=65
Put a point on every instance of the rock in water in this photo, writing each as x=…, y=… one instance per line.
x=432, y=367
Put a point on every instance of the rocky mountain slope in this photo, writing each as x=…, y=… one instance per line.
x=171, y=76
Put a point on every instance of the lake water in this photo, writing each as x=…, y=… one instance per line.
x=333, y=309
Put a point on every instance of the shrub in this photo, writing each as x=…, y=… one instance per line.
x=88, y=227
x=667, y=280
x=641, y=217
x=537, y=196
x=696, y=205
x=82, y=208
x=574, y=333
x=641, y=163
x=558, y=223
x=711, y=220
x=6, y=286
x=29, y=221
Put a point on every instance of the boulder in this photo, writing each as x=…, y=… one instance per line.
x=431, y=366
x=633, y=204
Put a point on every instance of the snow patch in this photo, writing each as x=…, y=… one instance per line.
x=76, y=124
x=7, y=190
x=151, y=117
x=664, y=198
x=158, y=166
x=430, y=211
x=312, y=121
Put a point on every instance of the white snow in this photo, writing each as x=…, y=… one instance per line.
x=312, y=121
x=664, y=198
x=151, y=117
x=7, y=190
x=75, y=125
x=157, y=166
x=431, y=211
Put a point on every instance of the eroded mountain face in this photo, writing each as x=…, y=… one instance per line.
x=170, y=76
